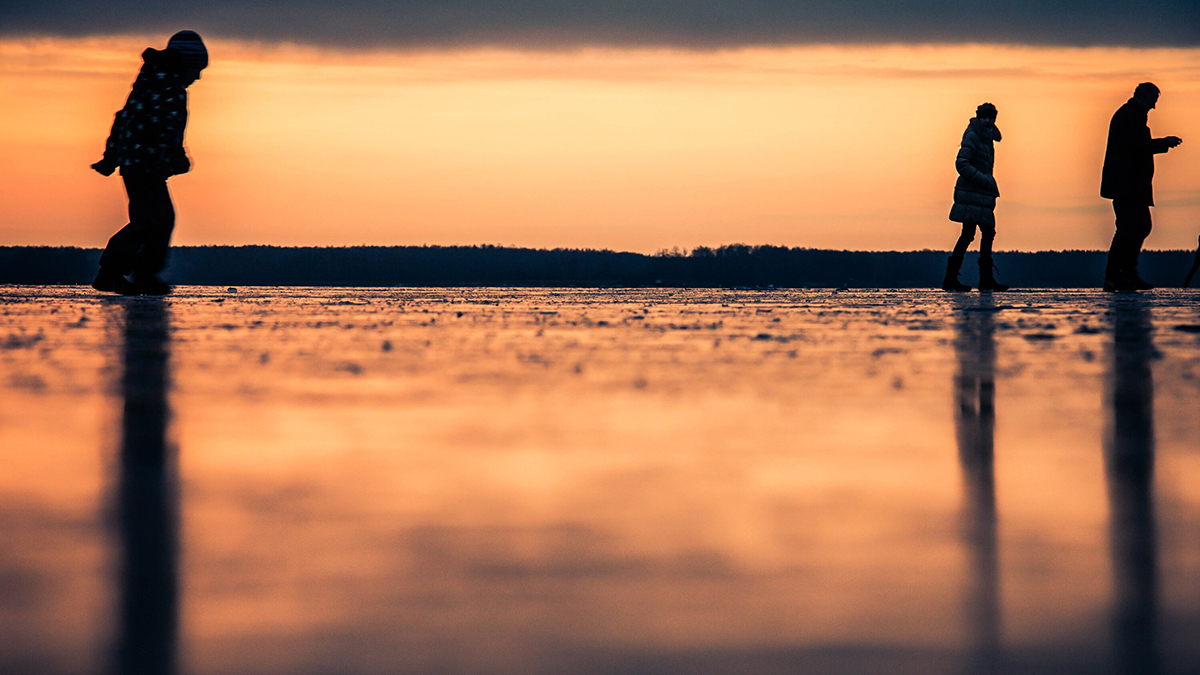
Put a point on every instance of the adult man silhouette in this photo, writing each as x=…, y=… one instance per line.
x=1128, y=181
x=146, y=144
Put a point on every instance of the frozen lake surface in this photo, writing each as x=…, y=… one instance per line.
x=517, y=481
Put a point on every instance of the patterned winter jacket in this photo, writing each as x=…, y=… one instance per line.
x=147, y=134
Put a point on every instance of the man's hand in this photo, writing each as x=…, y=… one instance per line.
x=1173, y=141
x=105, y=167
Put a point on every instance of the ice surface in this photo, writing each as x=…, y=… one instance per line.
x=599, y=481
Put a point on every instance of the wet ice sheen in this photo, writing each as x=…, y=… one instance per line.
x=595, y=481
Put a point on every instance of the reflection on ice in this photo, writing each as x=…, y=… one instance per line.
x=498, y=481
x=1129, y=468
x=975, y=426
x=147, y=497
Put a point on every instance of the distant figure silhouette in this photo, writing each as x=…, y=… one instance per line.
x=1127, y=180
x=146, y=144
x=975, y=195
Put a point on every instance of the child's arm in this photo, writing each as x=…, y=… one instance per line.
x=171, y=112
x=109, y=163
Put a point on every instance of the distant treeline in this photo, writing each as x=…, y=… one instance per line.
x=728, y=266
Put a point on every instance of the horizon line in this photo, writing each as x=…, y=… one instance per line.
x=660, y=253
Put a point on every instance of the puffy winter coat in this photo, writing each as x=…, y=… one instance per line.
x=147, y=134
x=1129, y=159
x=976, y=191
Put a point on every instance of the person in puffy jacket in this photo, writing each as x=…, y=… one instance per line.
x=146, y=145
x=1127, y=179
x=975, y=196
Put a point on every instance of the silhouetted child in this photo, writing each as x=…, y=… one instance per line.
x=1127, y=180
x=975, y=196
x=146, y=144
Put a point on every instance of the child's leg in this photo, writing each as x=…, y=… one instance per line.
x=124, y=249
x=160, y=214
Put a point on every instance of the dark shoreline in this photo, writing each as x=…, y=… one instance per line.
x=728, y=266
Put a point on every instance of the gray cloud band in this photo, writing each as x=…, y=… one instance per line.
x=669, y=23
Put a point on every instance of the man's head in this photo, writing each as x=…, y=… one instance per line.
x=195, y=54
x=1146, y=95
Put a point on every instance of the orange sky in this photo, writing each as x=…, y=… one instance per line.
x=841, y=147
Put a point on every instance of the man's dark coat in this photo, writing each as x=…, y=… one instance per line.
x=1129, y=160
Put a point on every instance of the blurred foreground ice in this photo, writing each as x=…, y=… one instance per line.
x=590, y=481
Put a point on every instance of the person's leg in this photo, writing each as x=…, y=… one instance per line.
x=1124, y=241
x=160, y=216
x=1140, y=226
x=121, y=254
x=121, y=250
x=987, y=282
x=950, y=282
x=985, y=244
x=964, y=240
x=124, y=250
x=1112, y=268
x=1133, y=226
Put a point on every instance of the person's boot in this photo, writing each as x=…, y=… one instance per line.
x=1112, y=272
x=150, y=284
x=1138, y=283
x=1115, y=279
x=1122, y=282
x=111, y=282
x=1112, y=278
x=951, y=282
x=987, y=282
x=1128, y=281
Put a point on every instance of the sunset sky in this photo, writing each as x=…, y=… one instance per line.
x=540, y=123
